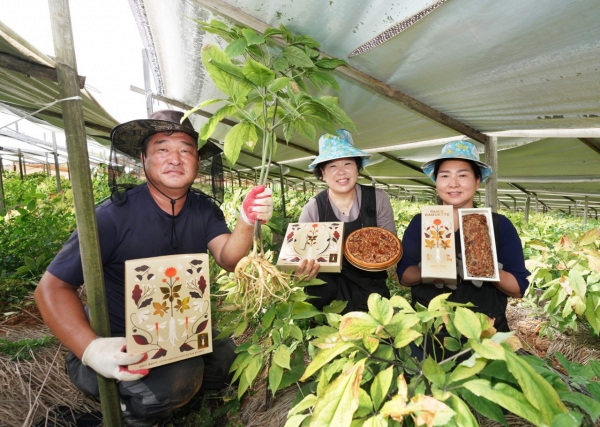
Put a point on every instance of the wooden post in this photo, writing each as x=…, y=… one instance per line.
x=282, y=190
x=56, y=165
x=491, y=185
x=85, y=215
x=47, y=166
x=585, y=211
x=20, y=163
x=527, y=205
x=2, y=205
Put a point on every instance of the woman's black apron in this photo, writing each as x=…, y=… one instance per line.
x=351, y=284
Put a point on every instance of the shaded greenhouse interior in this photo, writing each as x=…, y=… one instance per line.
x=519, y=79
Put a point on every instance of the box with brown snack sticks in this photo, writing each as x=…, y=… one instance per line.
x=438, y=249
x=478, y=244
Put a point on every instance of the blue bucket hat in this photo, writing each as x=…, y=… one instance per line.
x=338, y=146
x=460, y=150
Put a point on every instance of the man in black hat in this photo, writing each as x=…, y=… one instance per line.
x=161, y=217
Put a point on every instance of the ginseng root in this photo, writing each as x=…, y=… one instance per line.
x=259, y=283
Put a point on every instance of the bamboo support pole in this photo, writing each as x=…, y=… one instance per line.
x=72, y=110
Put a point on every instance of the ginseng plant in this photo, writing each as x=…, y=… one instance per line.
x=264, y=79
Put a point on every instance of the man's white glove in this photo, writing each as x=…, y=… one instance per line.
x=107, y=357
x=258, y=205
x=460, y=270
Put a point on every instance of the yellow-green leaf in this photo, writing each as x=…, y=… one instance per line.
x=252, y=37
x=257, y=73
x=399, y=302
x=297, y=57
x=325, y=356
x=536, y=389
x=380, y=308
x=462, y=372
x=240, y=134
x=275, y=375
x=589, y=237
x=356, y=324
x=338, y=403
x=281, y=356
x=405, y=337
x=433, y=372
x=488, y=349
x=236, y=48
x=467, y=323
x=513, y=401
x=380, y=386
x=464, y=417
x=577, y=283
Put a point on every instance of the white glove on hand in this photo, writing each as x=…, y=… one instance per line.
x=107, y=357
x=258, y=205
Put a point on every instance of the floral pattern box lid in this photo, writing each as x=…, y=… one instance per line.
x=167, y=307
x=321, y=241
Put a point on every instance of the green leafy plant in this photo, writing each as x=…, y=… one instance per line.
x=366, y=374
x=22, y=349
x=567, y=270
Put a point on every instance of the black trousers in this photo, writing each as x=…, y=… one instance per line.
x=166, y=387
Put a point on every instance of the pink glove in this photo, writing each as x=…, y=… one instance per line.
x=258, y=205
x=107, y=357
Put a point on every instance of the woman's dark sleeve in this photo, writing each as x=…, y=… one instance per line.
x=510, y=252
x=411, y=245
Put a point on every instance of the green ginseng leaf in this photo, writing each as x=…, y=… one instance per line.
x=336, y=406
x=278, y=84
x=224, y=81
x=340, y=116
x=318, y=78
x=536, y=389
x=330, y=63
x=257, y=73
x=304, y=128
x=216, y=27
x=280, y=64
x=275, y=375
x=356, y=324
x=236, y=48
x=282, y=355
x=325, y=356
x=464, y=417
x=380, y=386
x=467, y=323
x=306, y=41
x=297, y=57
x=433, y=372
x=507, y=397
x=239, y=135
x=252, y=37
x=209, y=127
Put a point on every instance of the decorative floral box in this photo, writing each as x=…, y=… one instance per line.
x=438, y=250
x=321, y=241
x=167, y=307
x=478, y=244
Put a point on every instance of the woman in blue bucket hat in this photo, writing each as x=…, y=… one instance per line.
x=457, y=174
x=338, y=164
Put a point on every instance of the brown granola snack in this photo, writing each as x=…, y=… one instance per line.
x=478, y=246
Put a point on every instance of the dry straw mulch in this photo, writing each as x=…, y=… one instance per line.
x=32, y=390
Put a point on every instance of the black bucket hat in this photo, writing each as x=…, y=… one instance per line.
x=127, y=138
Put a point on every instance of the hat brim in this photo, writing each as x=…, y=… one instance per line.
x=366, y=158
x=429, y=167
x=127, y=138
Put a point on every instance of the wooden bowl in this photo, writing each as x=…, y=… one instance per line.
x=372, y=249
